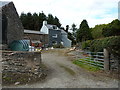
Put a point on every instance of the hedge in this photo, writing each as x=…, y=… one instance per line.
x=86, y=44
x=112, y=43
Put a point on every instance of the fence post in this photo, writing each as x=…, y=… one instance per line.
x=106, y=60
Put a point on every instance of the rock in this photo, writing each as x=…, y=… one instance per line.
x=29, y=79
x=36, y=73
x=17, y=83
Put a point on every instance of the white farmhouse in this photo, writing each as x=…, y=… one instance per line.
x=56, y=36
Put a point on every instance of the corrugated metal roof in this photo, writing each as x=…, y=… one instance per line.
x=33, y=32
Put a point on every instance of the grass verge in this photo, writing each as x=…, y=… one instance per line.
x=86, y=66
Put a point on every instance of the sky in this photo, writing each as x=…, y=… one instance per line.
x=72, y=11
x=119, y=10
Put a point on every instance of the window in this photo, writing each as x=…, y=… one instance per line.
x=54, y=36
x=54, y=27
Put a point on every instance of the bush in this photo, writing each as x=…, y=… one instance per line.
x=111, y=43
x=86, y=44
x=112, y=29
x=97, y=31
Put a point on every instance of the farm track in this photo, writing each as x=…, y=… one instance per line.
x=64, y=74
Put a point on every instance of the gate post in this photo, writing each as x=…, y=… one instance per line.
x=106, y=60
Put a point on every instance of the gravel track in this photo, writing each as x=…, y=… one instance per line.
x=64, y=74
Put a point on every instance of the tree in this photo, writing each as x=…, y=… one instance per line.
x=23, y=19
x=30, y=21
x=97, y=31
x=50, y=19
x=57, y=22
x=67, y=28
x=74, y=29
x=112, y=29
x=35, y=21
x=71, y=37
x=53, y=20
x=27, y=20
x=41, y=18
x=83, y=32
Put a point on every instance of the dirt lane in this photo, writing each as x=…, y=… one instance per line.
x=64, y=74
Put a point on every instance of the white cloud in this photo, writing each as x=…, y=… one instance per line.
x=72, y=11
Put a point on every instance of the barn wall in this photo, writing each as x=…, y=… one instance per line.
x=38, y=37
x=14, y=28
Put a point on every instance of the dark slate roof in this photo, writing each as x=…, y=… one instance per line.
x=63, y=32
x=54, y=27
x=33, y=32
x=3, y=3
x=51, y=26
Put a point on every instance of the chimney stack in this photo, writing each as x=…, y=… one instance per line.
x=44, y=22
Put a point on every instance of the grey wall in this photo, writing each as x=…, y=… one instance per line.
x=14, y=27
x=0, y=25
x=51, y=39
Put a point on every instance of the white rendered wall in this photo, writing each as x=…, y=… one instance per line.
x=44, y=28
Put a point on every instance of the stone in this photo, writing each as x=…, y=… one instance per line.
x=12, y=28
x=17, y=83
x=20, y=65
x=16, y=66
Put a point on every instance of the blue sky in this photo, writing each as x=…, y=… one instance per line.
x=112, y=11
x=72, y=11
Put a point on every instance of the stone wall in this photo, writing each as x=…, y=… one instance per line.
x=39, y=37
x=114, y=63
x=11, y=27
x=21, y=67
x=21, y=62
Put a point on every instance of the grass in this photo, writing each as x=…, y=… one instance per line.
x=86, y=66
x=89, y=60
